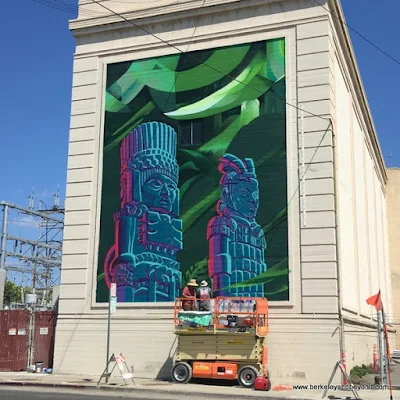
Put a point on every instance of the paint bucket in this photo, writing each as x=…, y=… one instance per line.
x=39, y=367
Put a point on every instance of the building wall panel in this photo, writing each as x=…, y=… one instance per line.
x=364, y=265
x=77, y=218
x=371, y=217
x=73, y=276
x=82, y=203
x=73, y=261
x=79, y=175
x=318, y=219
x=79, y=189
x=320, y=287
x=344, y=185
x=81, y=147
x=289, y=340
x=319, y=270
x=318, y=253
x=318, y=44
x=81, y=134
x=320, y=305
x=315, y=139
x=314, y=77
x=76, y=232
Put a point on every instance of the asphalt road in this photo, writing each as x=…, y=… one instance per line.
x=31, y=393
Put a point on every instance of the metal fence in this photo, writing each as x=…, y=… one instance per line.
x=366, y=358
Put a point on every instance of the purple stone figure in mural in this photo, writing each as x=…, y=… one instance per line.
x=236, y=240
x=148, y=233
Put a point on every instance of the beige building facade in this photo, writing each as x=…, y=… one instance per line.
x=393, y=192
x=337, y=231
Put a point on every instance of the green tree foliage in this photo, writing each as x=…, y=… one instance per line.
x=12, y=293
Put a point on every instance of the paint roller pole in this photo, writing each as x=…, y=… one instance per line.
x=3, y=248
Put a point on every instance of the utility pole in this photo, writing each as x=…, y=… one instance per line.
x=3, y=272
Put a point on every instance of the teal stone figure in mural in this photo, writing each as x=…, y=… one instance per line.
x=236, y=240
x=148, y=233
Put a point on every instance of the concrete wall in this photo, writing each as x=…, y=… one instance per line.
x=361, y=189
x=393, y=219
x=361, y=204
x=309, y=320
x=360, y=185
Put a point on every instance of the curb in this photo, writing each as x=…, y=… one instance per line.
x=40, y=384
x=172, y=393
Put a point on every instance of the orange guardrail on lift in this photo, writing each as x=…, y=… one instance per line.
x=229, y=313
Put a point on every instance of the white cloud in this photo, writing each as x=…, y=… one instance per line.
x=24, y=221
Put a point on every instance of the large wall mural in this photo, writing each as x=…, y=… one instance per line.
x=194, y=175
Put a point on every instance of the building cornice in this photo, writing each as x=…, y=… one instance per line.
x=351, y=61
x=165, y=13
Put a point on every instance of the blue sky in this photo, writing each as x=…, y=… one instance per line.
x=37, y=78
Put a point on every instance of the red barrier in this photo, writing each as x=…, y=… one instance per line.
x=16, y=328
x=344, y=366
x=375, y=359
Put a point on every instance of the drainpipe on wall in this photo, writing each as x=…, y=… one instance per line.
x=339, y=283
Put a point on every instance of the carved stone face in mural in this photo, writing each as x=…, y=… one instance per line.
x=159, y=192
x=244, y=196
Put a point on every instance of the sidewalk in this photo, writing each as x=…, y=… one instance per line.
x=153, y=388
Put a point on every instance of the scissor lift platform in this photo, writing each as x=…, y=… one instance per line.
x=228, y=342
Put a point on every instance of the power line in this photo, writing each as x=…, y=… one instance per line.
x=71, y=9
x=358, y=33
x=68, y=8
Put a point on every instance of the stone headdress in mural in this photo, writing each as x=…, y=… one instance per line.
x=236, y=240
x=148, y=233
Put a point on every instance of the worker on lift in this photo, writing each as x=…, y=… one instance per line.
x=189, y=293
x=204, y=294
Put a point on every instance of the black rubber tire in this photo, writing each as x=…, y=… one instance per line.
x=247, y=375
x=181, y=372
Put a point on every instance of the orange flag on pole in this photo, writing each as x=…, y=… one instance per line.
x=375, y=301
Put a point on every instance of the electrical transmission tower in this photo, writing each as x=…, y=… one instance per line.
x=35, y=251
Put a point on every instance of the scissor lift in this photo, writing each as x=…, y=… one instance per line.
x=229, y=342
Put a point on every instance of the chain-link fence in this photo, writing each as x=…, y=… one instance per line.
x=365, y=355
x=361, y=354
